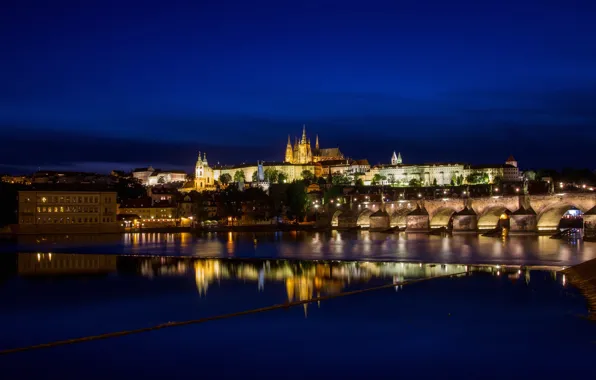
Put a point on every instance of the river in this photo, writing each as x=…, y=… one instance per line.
x=507, y=313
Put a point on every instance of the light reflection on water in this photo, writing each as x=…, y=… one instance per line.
x=303, y=279
x=362, y=245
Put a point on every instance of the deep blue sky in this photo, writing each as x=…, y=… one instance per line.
x=117, y=84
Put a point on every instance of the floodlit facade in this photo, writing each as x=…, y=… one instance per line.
x=67, y=212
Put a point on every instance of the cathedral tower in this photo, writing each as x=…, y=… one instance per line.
x=289, y=152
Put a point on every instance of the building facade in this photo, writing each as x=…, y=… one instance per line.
x=152, y=177
x=292, y=172
x=204, y=175
x=67, y=212
x=151, y=214
x=441, y=174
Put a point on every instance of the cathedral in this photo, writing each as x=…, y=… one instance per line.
x=302, y=152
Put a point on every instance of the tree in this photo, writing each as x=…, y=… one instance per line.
x=321, y=181
x=200, y=205
x=434, y=182
x=415, y=182
x=271, y=175
x=297, y=200
x=378, y=179
x=255, y=176
x=307, y=175
x=391, y=178
x=230, y=203
x=225, y=178
x=332, y=193
x=340, y=179
x=497, y=180
x=239, y=176
x=460, y=180
x=282, y=177
x=476, y=178
x=128, y=188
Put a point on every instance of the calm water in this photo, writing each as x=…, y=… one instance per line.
x=371, y=246
x=495, y=321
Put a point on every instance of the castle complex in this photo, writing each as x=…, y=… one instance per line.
x=301, y=156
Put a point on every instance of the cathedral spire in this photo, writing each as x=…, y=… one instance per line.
x=289, y=152
x=303, y=140
x=399, y=160
x=393, y=159
x=317, y=142
x=199, y=155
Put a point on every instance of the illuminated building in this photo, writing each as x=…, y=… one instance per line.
x=152, y=214
x=67, y=212
x=152, y=177
x=440, y=174
x=302, y=153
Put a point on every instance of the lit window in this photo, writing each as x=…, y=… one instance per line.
x=44, y=199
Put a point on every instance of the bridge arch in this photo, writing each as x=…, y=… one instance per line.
x=364, y=218
x=550, y=218
x=442, y=217
x=492, y=216
x=335, y=218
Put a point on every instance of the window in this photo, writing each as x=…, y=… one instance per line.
x=55, y=209
x=61, y=208
x=44, y=199
x=85, y=199
x=39, y=209
x=67, y=199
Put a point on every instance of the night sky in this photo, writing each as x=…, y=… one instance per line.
x=120, y=84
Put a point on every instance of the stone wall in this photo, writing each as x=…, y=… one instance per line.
x=465, y=223
x=99, y=228
x=417, y=223
x=523, y=223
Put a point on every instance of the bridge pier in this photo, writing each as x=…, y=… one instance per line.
x=523, y=221
x=418, y=220
x=590, y=223
x=465, y=221
x=379, y=221
x=347, y=219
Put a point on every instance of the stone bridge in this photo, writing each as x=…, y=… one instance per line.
x=523, y=213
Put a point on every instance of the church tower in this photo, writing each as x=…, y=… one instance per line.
x=289, y=152
x=393, y=159
x=203, y=174
x=399, y=160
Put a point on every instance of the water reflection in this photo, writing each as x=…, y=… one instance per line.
x=302, y=279
x=333, y=245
